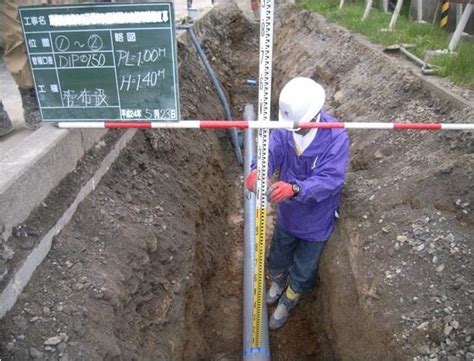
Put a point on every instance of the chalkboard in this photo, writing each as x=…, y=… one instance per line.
x=101, y=62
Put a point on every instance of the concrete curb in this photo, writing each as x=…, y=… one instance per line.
x=35, y=166
x=10, y=294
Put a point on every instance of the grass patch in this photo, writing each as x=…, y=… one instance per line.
x=457, y=67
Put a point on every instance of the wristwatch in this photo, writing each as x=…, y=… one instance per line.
x=296, y=189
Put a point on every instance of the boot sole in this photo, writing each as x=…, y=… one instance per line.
x=8, y=131
x=276, y=327
x=32, y=127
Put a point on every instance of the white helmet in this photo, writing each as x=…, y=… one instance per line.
x=301, y=99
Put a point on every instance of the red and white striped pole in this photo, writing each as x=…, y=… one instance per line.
x=243, y=124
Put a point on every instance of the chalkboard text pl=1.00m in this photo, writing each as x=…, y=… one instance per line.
x=125, y=58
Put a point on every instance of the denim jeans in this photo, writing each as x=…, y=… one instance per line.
x=294, y=258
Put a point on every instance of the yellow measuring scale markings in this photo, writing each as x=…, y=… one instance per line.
x=259, y=278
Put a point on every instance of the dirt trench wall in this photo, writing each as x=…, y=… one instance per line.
x=226, y=37
x=405, y=236
x=116, y=283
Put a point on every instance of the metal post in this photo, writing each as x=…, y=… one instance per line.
x=367, y=9
x=435, y=15
x=249, y=254
x=341, y=4
x=460, y=28
x=395, y=15
x=419, y=10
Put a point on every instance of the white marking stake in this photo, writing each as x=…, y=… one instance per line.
x=264, y=103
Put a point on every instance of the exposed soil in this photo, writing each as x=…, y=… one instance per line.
x=397, y=276
x=234, y=55
x=26, y=236
x=150, y=267
x=123, y=279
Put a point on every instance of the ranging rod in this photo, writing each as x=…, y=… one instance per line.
x=243, y=124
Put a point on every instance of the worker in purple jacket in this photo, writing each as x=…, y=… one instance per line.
x=312, y=166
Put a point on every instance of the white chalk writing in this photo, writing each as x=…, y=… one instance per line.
x=42, y=60
x=159, y=114
x=125, y=58
x=147, y=113
x=81, y=60
x=95, y=42
x=62, y=43
x=85, y=98
x=118, y=37
x=54, y=88
x=131, y=37
x=45, y=42
x=136, y=82
x=34, y=20
x=131, y=113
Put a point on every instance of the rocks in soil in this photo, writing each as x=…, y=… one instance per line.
x=55, y=340
x=35, y=354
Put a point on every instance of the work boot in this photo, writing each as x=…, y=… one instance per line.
x=287, y=302
x=274, y=293
x=6, y=125
x=31, y=111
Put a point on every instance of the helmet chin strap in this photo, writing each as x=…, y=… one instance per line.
x=296, y=129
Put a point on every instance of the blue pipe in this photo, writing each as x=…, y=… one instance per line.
x=217, y=85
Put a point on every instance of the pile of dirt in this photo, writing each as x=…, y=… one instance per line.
x=123, y=278
x=396, y=279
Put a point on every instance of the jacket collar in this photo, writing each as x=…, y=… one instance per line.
x=318, y=142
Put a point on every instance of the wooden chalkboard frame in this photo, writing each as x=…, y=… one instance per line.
x=96, y=62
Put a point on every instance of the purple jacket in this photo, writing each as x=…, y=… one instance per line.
x=319, y=172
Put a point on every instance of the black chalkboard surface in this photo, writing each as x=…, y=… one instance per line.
x=103, y=61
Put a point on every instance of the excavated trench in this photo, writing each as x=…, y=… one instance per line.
x=150, y=267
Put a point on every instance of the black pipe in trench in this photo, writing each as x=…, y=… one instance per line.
x=217, y=85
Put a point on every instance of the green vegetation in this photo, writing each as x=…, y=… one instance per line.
x=424, y=36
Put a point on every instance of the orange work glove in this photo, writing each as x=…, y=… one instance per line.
x=251, y=180
x=280, y=191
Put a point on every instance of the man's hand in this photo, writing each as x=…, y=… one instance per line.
x=251, y=181
x=280, y=191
